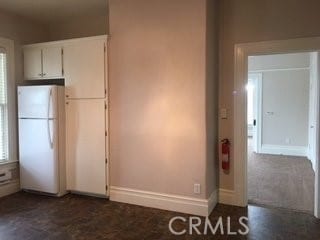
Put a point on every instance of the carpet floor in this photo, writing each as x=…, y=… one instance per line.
x=280, y=181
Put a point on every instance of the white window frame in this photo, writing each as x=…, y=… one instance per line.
x=8, y=45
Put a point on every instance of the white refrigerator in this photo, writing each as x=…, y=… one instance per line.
x=42, y=139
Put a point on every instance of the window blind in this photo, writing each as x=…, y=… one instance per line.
x=3, y=107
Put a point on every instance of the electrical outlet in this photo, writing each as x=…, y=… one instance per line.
x=197, y=188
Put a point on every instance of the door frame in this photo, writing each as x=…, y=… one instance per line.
x=313, y=96
x=258, y=109
x=241, y=54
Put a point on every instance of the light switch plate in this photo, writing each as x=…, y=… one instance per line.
x=223, y=113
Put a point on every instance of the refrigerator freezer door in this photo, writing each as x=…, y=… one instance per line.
x=39, y=155
x=37, y=102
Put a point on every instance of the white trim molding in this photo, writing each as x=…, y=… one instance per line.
x=212, y=201
x=226, y=196
x=241, y=54
x=300, y=151
x=66, y=41
x=177, y=203
x=8, y=45
x=278, y=69
x=9, y=188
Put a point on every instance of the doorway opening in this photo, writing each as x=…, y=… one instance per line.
x=281, y=129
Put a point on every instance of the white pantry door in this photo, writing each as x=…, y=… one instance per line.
x=85, y=146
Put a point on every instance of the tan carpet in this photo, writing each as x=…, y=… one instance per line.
x=280, y=181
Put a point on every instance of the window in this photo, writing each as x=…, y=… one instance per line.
x=4, y=148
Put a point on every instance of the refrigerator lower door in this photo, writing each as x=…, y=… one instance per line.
x=39, y=155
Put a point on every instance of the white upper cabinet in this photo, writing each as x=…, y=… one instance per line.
x=52, y=62
x=85, y=66
x=32, y=63
x=43, y=62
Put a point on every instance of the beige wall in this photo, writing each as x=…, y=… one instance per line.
x=84, y=26
x=279, y=61
x=251, y=21
x=212, y=166
x=21, y=31
x=158, y=96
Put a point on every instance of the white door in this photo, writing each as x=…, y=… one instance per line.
x=32, y=63
x=38, y=155
x=84, y=64
x=254, y=109
x=313, y=105
x=85, y=141
x=312, y=122
x=52, y=62
x=37, y=101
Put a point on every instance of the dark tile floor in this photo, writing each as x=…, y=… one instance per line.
x=25, y=216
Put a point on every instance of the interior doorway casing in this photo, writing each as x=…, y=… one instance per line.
x=256, y=79
x=242, y=52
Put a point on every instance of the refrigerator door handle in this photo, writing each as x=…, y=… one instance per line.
x=49, y=102
x=49, y=133
x=48, y=120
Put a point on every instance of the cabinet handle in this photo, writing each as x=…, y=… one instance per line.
x=67, y=96
x=67, y=103
x=40, y=74
x=43, y=74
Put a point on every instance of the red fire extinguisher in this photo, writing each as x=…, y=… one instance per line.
x=225, y=147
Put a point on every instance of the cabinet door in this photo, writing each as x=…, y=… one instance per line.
x=84, y=65
x=32, y=63
x=85, y=146
x=52, y=62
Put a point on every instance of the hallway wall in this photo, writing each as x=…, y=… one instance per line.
x=252, y=21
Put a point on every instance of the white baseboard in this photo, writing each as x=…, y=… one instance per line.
x=284, y=150
x=9, y=188
x=226, y=196
x=195, y=206
x=212, y=201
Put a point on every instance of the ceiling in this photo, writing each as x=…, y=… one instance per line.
x=47, y=11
